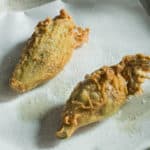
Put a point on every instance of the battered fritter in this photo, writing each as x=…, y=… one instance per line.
x=47, y=51
x=103, y=92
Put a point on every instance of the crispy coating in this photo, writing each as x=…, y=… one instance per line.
x=47, y=51
x=103, y=92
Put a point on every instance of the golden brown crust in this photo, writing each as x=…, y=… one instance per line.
x=47, y=51
x=103, y=92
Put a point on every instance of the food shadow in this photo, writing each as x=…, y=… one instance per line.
x=49, y=124
x=6, y=67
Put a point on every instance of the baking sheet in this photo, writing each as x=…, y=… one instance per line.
x=29, y=121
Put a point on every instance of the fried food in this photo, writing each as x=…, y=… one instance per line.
x=103, y=92
x=47, y=51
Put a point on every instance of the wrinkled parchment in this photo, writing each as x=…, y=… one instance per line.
x=29, y=121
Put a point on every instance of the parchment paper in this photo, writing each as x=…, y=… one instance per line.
x=29, y=121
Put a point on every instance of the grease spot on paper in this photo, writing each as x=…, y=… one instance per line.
x=34, y=107
x=132, y=114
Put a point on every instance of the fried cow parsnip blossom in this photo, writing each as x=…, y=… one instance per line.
x=47, y=51
x=103, y=92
